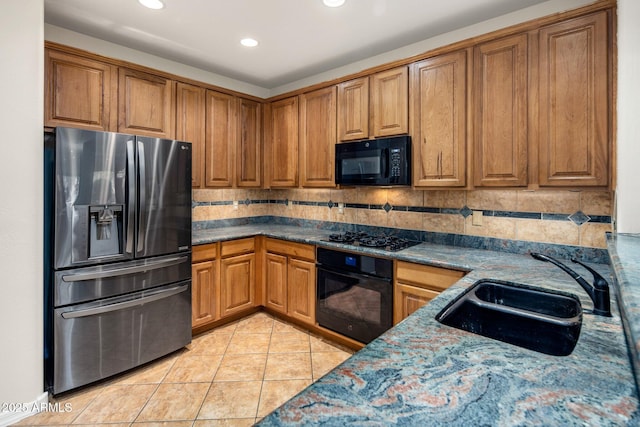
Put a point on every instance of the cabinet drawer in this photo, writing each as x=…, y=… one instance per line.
x=204, y=252
x=427, y=276
x=296, y=250
x=235, y=247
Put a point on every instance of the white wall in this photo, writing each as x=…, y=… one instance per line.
x=21, y=86
x=628, y=150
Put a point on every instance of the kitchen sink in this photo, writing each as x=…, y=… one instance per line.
x=534, y=318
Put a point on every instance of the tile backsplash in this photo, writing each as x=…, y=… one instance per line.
x=577, y=218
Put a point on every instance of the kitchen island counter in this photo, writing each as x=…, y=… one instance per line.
x=421, y=372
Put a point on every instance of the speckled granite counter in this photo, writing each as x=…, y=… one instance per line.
x=423, y=373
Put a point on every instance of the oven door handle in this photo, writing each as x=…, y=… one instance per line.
x=352, y=274
x=126, y=304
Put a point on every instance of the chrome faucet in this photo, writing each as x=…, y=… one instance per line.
x=599, y=291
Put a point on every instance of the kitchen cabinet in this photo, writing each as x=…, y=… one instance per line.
x=281, y=157
x=416, y=284
x=237, y=276
x=500, y=112
x=575, y=72
x=79, y=92
x=439, y=120
x=220, y=139
x=146, y=104
x=374, y=106
x=317, y=138
x=205, y=285
x=190, y=126
x=290, y=279
x=353, y=109
x=249, y=144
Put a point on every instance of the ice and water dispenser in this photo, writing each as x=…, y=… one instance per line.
x=105, y=230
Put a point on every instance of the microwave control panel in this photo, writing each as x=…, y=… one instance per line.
x=395, y=162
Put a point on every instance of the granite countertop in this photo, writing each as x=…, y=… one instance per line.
x=421, y=372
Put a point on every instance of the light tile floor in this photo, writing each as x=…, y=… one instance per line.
x=231, y=376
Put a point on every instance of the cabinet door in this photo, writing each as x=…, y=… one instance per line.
x=317, y=138
x=301, y=290
x=276, y=282
x=574, y=111
x=390, y=102
x=408, y=299
x=204, y=288
x=237, y=279
x=439, y=98
x=190, y=126
x=145, y=104
x=283, y=143
x=220, y=139
x=79, y=92
x=249, y=143
x=500, y=113
x=353, y=109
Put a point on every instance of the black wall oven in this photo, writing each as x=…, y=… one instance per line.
x=354, y=294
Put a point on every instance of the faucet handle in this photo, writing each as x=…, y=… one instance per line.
x=599, y=282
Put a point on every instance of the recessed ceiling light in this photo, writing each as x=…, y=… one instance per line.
x=249, y=42
x=152, y=4
x=333, y=3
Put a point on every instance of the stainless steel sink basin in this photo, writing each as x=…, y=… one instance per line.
x=537, y=319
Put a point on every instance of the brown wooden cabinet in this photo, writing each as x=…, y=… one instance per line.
x=205, y=285
x=439, y=120
x=500, y=112
x=374, y=106
x=574, y=116
x=79, y=92
x=317, y=138
x=290, y=279
x=146, y=104
x=190, y=126
x=416, y=284
x=353, y=109
x=249, y=144
x=220, y=139
x=281, y=154
x=237, y=276
x=390, y=102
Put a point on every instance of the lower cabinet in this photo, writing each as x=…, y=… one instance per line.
x=290, y=279
x=205, y=284
x=223, y=280
x=417, y=284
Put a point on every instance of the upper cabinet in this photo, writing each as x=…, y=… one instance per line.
x=575, y=86
x=220, y=139
x=318, y=138
x=145, y=104
x=79, y=92
x=190, y=126
x=281, y=137
x=439, y=120
x=249, y=144
x=374, y=106
x=500, y=112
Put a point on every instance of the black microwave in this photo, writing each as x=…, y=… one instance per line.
x=382, y=161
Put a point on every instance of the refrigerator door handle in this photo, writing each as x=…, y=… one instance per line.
x=112, y=272
x=131, y=203
x=126, y=304
x=142, y=197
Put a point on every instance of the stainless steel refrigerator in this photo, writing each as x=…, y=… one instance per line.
x=117, y=253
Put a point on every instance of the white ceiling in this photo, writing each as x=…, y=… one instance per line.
x=298, y=38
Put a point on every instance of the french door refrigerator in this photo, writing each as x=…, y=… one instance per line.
x=117, y=253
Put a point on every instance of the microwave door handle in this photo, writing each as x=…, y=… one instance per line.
x=384, y=164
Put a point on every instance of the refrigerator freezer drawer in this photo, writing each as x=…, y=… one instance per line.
x=96, y=340
x=92, y=283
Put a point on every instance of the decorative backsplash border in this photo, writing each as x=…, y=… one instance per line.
x=585, y=254
x=578, y=217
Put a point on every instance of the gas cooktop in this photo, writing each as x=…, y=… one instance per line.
x=359, y=238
